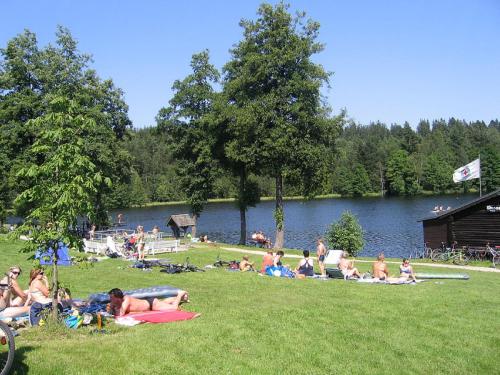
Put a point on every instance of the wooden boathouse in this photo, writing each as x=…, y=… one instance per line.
x=473, y=224
x=180, y=222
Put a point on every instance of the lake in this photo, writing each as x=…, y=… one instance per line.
x=390, y=224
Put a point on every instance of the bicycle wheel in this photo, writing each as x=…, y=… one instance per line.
x=436, y=256
x=7, y=348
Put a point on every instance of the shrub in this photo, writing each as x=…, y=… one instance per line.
x=346, y=234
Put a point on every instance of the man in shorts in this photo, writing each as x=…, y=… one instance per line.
x=321, y=253
x=122, y=304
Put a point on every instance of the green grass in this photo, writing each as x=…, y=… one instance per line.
x=263, y=325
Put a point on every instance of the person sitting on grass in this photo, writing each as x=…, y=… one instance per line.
x=305, y=266
x=122, y=304
x=267, y=261
x=347, y=267
x=11, y=294
x=246, y=265
x=379, y=268
x=406, y=271
x=277, y=258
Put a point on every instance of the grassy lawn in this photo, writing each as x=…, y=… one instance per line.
x=263, y=325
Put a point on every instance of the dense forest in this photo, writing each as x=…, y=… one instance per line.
x=372, y=158
x=257, y=127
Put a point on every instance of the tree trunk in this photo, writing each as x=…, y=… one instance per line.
x=193, y=229
x=279, y=214
x=243, y=209
x=55, y=281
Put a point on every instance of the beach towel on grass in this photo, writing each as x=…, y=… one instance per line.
x=161, y=316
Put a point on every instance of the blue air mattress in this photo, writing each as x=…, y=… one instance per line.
x=161, y=291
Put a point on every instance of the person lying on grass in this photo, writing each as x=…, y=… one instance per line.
x=347, y=266
x=122, y=304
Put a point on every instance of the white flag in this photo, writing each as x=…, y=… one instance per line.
x=468, y=172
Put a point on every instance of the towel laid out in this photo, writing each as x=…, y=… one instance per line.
x=156, y=317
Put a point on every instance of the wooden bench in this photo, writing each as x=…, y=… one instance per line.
x=96, y=247
x=162, y=246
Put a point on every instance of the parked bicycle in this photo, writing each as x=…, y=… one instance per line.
x=7, y=348
x=446, y=255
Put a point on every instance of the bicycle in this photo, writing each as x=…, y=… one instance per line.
x=455, y=256
x=7, y=348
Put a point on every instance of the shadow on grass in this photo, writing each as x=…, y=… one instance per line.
x=18, y=366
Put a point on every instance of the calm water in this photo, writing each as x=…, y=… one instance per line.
x=390, y=224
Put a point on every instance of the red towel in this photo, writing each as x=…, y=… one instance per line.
x=163, y=316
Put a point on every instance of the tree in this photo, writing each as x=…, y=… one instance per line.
x=346, y=234
x=276, y=88
x=437, y=174
x=30, y=77
x=490, y=169
x=186, y=122
x=400, y=175
x=61, y=183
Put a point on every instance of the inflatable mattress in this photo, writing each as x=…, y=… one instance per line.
x=161, y=291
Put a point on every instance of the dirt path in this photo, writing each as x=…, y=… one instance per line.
x=435, y=265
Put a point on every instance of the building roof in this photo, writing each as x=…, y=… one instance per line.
x=473, y=202
x=181, y=220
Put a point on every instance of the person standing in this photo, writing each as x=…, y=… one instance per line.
x=320, y=254
x=141, y=242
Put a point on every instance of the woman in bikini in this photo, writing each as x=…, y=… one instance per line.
x=11, y=294
x=14, y=301
x=406, y=271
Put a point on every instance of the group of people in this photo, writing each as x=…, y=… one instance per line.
x=260, y=238
x=305, y=267
x=16, y=301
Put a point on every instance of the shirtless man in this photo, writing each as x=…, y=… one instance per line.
x=245, y=264
x=321, y=253
x=347, y=267
x=379, y=268
x=122, y=304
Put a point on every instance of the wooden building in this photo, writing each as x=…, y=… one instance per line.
x=180, y=222
x=473, y=224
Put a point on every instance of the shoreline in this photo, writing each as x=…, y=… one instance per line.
x=424, y=193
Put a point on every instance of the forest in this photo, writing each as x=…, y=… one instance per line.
x=257, y=127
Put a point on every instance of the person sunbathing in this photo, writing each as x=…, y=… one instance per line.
x=406, y=271
x=267, y=261
x=122, y=304
x=245, y=264
x=11, y=294
x=379, y=268
x=347, y=267
x=305, y=266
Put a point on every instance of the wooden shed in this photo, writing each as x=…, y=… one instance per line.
x=472, y=224
x=180, y=222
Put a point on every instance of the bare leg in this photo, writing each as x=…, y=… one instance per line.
x=12, y=312
x=172, y=303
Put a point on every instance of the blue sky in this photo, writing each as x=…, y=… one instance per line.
x=393, y=61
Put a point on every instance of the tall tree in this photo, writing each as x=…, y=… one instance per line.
x=31, y=76
x=277, y=86
x=187, y=122
x=61, y=183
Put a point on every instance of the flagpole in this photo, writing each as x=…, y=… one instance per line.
x=480, y=185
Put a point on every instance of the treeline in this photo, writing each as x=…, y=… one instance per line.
x=373, y=158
